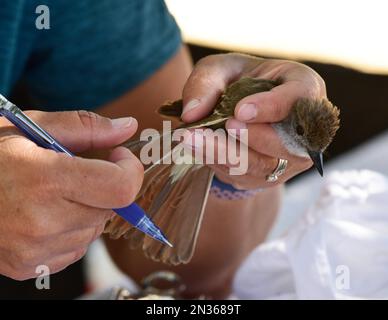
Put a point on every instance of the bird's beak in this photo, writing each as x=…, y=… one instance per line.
x=317, y=158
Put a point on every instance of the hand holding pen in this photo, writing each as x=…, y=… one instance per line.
x=54, y=206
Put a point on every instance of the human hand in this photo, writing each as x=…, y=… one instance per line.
x=52, y=205
x=213, y=74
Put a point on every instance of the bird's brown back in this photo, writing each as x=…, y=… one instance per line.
x=224, y=108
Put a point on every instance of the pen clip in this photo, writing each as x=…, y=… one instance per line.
x=22, y=121
x=33, y=126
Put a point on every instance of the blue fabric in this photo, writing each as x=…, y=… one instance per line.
x=94, y=51
x=223, y=186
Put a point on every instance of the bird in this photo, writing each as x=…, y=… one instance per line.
x=174, y=195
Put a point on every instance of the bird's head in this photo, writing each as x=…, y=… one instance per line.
x=309, y=129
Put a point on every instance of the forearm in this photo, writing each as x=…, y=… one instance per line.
x=230, y=230
x=246, y=222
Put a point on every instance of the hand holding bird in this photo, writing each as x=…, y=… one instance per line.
x=284, y=120
x=255, y=112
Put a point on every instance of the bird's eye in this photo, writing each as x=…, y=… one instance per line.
x=299, y=130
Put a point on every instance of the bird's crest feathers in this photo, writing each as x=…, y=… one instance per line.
x=317, y=121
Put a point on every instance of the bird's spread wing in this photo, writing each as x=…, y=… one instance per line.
x=174, y=196
x=180, y=217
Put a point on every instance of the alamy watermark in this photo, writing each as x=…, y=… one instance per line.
x=43, y=279
x=196, y=146
x=342, y=279
x=42, y=21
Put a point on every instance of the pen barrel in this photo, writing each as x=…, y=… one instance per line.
x=132, y=213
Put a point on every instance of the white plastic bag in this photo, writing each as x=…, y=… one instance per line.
x=338, y=250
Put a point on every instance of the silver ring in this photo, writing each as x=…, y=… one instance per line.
x=279, y=170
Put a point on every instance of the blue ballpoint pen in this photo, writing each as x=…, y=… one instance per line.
x=133, y=213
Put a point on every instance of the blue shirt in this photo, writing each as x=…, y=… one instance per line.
x=94, y=51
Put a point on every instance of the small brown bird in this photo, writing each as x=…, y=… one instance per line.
x=174, y=196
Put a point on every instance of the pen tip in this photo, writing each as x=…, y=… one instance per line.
x=161, y=237
x=168, y=243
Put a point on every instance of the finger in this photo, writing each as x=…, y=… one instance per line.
x=258, y=171
x=79, y=216
x=74, y=240
x=61, y=262
x=261, y=138
x=208, y=80
x=99, y=183
x=36, y=251
x=211, y=147
x=63, y=216
x=246, y=182
x=83, y=130
x=24, y=269
x=95, y=183
x=216, y=148
x=259, y=166
x=275, y=105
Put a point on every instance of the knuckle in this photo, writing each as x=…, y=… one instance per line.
x=201, y=78
x=106, y=217
x=37, y=227
x=318, y=85
x=23, y=257
x=19, y=275
x=208, y=60
x=312, y=89
x=97, y=232
x=129, y=185
x=64, y=261
x=59, y=266
x=277, y=109
x=305, y=163
x=298, y=163
x=313, y=84
x=124, y=194
x=205, y=74
x=321, y=85
x=78, y=254
x=88, y=119
x=138, y=168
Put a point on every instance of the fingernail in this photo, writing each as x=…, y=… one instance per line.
x=121, y=123
x=247, y=112
x=190, y=105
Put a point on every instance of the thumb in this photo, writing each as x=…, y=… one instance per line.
x=83, y=130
